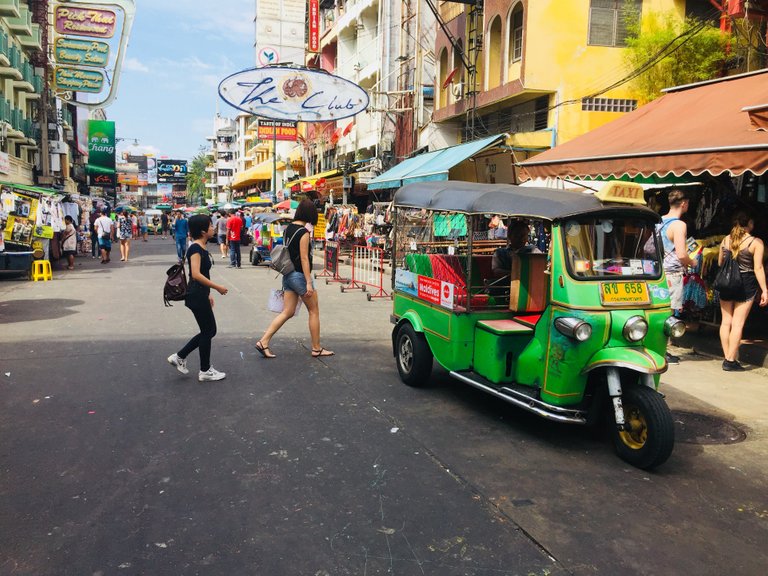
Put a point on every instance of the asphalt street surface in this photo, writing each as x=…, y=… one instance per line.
x=111, y=462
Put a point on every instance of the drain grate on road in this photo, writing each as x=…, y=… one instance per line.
x=692, y=428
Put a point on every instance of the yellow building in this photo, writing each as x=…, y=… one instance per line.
x=542, y=69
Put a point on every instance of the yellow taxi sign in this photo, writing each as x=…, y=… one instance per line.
x=622, y=192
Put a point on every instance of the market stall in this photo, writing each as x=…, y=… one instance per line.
x=711, y=137
x=31, y=219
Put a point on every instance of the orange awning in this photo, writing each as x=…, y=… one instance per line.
x=705, y=127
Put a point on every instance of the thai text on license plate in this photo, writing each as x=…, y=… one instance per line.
x=619, y=293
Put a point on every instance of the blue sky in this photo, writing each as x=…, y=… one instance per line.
x=178, y=53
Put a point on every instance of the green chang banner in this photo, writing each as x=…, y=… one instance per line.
x=101, y=153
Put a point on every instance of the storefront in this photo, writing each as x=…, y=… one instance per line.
x=710, y=137
x=31, y=220
x=485, y=161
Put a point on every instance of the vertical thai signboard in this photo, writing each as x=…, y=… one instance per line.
x=101, y=153
x=314, y=26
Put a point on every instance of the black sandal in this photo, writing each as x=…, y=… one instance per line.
x=263, y=350
x=321, y=353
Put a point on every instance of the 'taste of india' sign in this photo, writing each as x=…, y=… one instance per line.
x=85, y=21
x=302, y=94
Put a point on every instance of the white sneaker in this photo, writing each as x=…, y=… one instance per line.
x=211, y=375
x=180, y=363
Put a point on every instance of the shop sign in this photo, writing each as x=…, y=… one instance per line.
x=77, y=80
x=364, y=177
x=314, y=26
x=85, y=21
x=81, y=52
x=298, y=94
x=5, y=163
x=172, y=171
x=278, y=130
x=436, y=291
x=101, y=152
x=307, y=186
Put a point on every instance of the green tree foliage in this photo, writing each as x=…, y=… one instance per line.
x=687, y=51
x=196, y=178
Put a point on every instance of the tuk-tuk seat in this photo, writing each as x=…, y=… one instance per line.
x=504, y=326
x=448, y=268
x=529, y=319
x=529, y=283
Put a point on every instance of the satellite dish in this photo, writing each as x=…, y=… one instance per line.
x=449, y=78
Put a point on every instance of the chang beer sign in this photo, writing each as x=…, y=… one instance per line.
x=298, y=94
x=101, y=152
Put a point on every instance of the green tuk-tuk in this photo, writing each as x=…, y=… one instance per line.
x=567, y=317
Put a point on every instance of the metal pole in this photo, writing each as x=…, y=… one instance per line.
x=274, y=159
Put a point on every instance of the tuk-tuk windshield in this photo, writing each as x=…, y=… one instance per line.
x=611, y=247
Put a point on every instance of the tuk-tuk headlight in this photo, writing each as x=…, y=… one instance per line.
x=635, y=329
x=674, y=327
x=574, y=328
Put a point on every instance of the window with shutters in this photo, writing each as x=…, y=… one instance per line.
x=609, y=20
x=516, y=33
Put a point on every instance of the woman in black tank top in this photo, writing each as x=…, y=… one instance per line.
x=298, y=284
x=748, y=252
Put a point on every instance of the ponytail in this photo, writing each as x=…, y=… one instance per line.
x=739, y=231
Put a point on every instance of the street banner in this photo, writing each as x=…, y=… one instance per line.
x=314, y=26
x=151, y=171
x=286, y=130
x=141, y=162
x=171, y=171
x=299, y=94
x=101, y=152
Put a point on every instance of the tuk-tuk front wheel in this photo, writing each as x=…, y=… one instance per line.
x=649, y=434
x=414, y=358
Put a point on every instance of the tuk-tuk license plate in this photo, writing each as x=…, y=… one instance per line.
x=621, y=293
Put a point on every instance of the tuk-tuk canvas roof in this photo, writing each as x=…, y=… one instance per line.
x=472, y=198
x=711, y=127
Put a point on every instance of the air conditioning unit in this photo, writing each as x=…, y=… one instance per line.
x=457, y=90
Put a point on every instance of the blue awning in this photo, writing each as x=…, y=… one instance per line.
x=432, y=165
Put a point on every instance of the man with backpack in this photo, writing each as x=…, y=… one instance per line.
x=674, y=233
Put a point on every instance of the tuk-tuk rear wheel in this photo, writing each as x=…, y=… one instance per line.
x=650, y=435
x=414, y=358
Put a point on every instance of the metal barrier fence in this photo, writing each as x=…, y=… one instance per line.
x=368, y=270
x=331, y=264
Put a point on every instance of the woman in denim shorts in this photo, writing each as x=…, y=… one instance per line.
x=298, y=284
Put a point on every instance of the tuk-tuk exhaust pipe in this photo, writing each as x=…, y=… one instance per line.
x=614, y=391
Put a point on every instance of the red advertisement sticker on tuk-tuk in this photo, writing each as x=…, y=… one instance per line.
x=436, y=291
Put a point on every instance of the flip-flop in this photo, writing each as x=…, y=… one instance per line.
x=261, y=349
x=322, y=352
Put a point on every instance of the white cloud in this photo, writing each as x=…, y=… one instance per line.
x=226, y=19
x=134, y=65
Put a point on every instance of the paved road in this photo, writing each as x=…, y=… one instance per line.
x=113, y=463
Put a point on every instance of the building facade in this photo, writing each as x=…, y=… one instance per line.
x=543, y=72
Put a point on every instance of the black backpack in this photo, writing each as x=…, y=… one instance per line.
x=175, y=288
